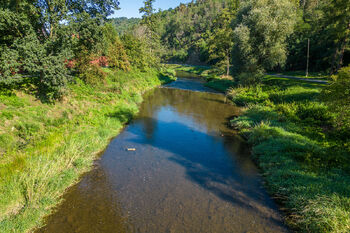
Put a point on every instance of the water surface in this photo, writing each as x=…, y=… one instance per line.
x=189, y=173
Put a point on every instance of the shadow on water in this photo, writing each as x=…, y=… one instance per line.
x=226, y=171
x=188, y=172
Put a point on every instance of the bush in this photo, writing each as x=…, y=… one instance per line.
x=117, y=56
x=53, y=78
x=314, y=112
x=93, y=74
x=337, y=96
x=246, y=96
x=250, y=78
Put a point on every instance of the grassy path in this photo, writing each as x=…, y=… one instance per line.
x=299, y=78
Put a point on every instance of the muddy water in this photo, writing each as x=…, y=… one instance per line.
x=189, y=173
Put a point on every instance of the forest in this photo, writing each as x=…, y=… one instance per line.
x=71, y=76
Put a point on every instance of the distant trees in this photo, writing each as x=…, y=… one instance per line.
x=261, y=30
x=184, y=30
x=257, y=36
x=124, y=25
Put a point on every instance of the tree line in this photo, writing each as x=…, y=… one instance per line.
x=253, y=36
x=47, y=44
x=44, y=45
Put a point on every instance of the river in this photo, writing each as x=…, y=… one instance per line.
x=176, y=167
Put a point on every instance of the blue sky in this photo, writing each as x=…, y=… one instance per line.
x=130, y=8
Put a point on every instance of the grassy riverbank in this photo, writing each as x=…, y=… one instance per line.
x=46, y=147
x=305, y=160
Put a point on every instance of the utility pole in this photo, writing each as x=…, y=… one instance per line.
x=308, y=56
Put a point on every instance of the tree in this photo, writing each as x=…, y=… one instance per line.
x=337, y=21
x=138, y=52
x=148, y=9
x=116, y=53
x=53, y=12
x=38, y=36
x=220, y=41
x=262, y=27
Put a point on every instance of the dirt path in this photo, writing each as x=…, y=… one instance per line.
x=302, y=79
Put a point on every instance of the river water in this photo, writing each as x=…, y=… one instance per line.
x=186, y=172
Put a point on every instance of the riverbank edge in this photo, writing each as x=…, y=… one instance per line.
x=311, y=196
x=34, y=179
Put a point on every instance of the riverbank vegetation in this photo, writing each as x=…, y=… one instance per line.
x=70, y=77
x=299, y=132
x=301, y=143
x=46, y=147
x=65, y=90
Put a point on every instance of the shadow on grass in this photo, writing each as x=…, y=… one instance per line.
x=123, y=114
x=164, y=79
x=221, y=85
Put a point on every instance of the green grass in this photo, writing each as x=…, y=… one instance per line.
x=45, y=148
x=304, y=159
x=220, y=84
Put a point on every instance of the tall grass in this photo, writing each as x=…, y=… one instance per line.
x=304, y=159
x=45, y=148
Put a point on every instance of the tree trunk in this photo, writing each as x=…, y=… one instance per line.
x=342, y=49
x=228, y=63
x=339, y=54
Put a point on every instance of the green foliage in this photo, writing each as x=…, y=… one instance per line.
x=337, y=95
x=117, y=56
x=35, y=43
x=326, y=24
x=262, y=27
x=116, y=53
x=147, y=9
x=244, y=96
x=184, y=30
x=93, y=74
x=53, y=77
x=220, y=40
x=124, y=25
x=300, y=153
x=139, y=55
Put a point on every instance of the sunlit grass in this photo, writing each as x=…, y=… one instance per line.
x=303, y=158
x=46, y=147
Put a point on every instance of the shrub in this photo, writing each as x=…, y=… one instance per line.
x=337, y=96
x=313, y=112
x=53, y=78
x=117, y=56
x=245, y=96
x=250, y=78
x=93, y=74
x=293, y=94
